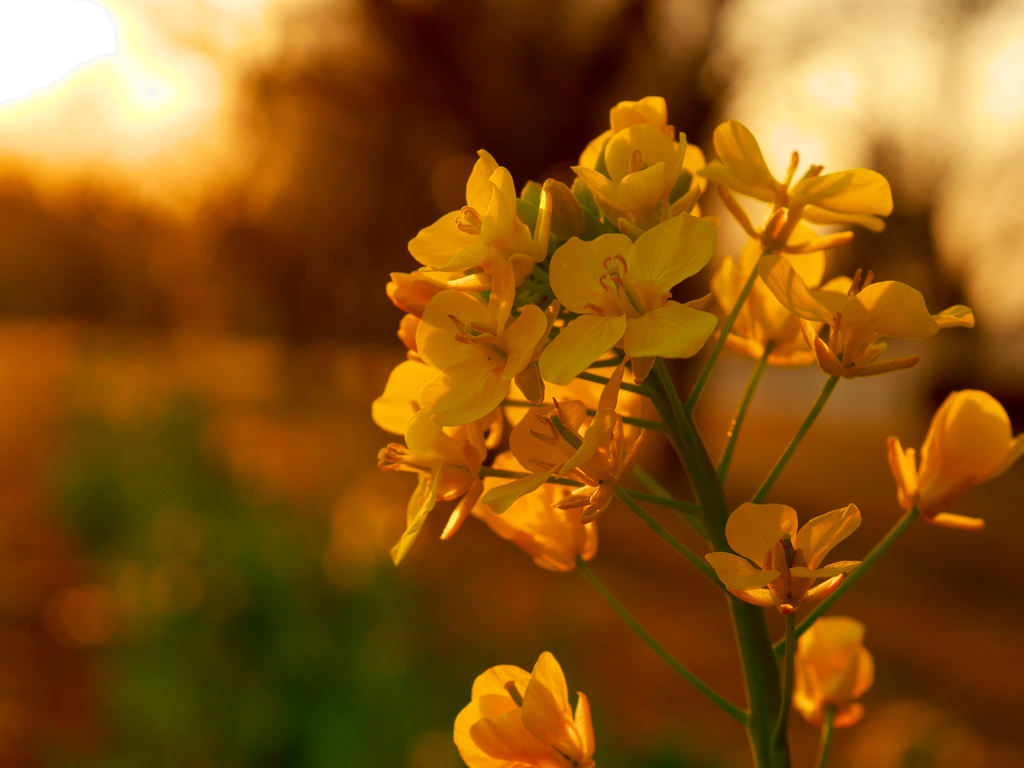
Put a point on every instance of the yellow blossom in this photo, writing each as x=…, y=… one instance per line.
x=554, y=537
x=477, y=351
x=635, y=172
x=857, y=196
x=833, y=668
x=622, y=292
x=486, y=233
x=858, y=317
x=411, y=292
x=763, y=319
x=969, y=441
x=446, y=459
x=775, y=564
x=650, y=110
x=522, y=720
x=598, y=459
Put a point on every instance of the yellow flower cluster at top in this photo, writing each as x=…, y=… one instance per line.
x=519, y=294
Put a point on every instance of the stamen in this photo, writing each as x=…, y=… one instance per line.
x=794, y=161
x=636, y=161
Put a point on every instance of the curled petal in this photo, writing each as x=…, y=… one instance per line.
x=819, y=535
x=958, y=522
x=737, y=573
x=754, y=529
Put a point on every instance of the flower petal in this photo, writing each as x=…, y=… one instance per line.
x=790, y=289
x=421, y=502
x=401, y=396
x=654, y=147
x=577, y=270
x=578, y=345
x=521, y=339
x=643, y=190
x=478, y=187
x=673, y=330
x=957, y=522
x=435, y=336
x=736, y=573
x=464, y=392
x=667, y=254
x=440, y=243
x=904, y=471
x=753, y=529
x=820, y=534
x=501, y=210
x=499, y=499
x=507, y=739
x=740, y=155
x=857, y=191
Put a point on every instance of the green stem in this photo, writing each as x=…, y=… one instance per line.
x=826, y=736
x=688, y=511
x=687, y=507
x=597, y=379
x=760, y=671
x=643, y=423
x=781, y=736
x=741, y=412
x=722, y=703
x=723, y=334
x=698, y=562
x=780, y=465
x=606, y=363
x=851, y=578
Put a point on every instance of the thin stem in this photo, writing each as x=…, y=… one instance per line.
x=741, y=412
x=782, y=727
x=851, y=578
x=668, y=502
x=643, y=423
x=606, y=363
x=722, y=703
x=598, y=379
x=780, y=465
x=826, y=736
x=698, y=562
x=688, y=511
x=723, y=333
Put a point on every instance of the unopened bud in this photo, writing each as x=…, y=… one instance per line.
x=412, y=292
x=567, y=213
x=531, y=384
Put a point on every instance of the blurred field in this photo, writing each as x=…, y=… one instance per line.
x=193, y=555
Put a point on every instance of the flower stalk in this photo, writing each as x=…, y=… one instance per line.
x=741, y=412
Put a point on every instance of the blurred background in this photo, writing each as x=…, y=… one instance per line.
x=200, y=203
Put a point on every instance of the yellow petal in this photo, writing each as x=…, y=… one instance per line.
x=957, y=316
x=521, y=339
x=392, y=410
x=596, y=436
x=819, y=535
x=532, y=452
x=654, y=147
x=825, y=572
x=667, y=254
x=651, y=110
x=791, y=291
x=440, y=243
x=435, y=337
x=501, y=210
x=496, y=705
x=464, y=392
x=753, y=529
x=594, y=150
x=821, y=216
x=420, y=504
x=478, y=188
x=673, y=330
x=643, y=190
x=506, y=738
x=904, y=471
x=577, y=270
x=546, y=711
x=502, y=497
x=738, y=151
x=578, y=345
x=693, y=161
x=858, y=191
x=737, y=573
x=889, y=309
x=584, y=724
x=957, y=522
x=606, y=191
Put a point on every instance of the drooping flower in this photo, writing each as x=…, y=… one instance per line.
x=856, y=196
x=638, y=173
x=833, y=669
x=763, y=320
x=622, y=292
x=522, y=720
x=486, y=233
x=970, y=440
x=446, y=459
x=477, y=351
x=775, y=564
x=554, y=537
x=599, y=459
x=858, y=318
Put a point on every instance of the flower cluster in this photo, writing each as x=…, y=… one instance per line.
x=537, y=324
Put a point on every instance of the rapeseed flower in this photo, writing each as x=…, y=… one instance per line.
x=521, y=720
x=622, y=292
x=856, y=196
x=970, y=440
x=858, y=317
x=775, y=564
x=833, y=668
x=553, y=536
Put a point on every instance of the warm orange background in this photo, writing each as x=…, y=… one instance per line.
x=196, y=233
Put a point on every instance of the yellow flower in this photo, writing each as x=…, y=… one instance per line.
x=763, y=319
x=786, y=561
x=650, y=110
x=522, y=720
x=486, y=233
x=622, y=292
x=447, y=459
x=642, y=164
x=411, y=292
x=599, y=459
x=477, y=351
x=833, y=668
x=858, y=317
x=969, y=441
x=554, y=537
x=857, y=196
